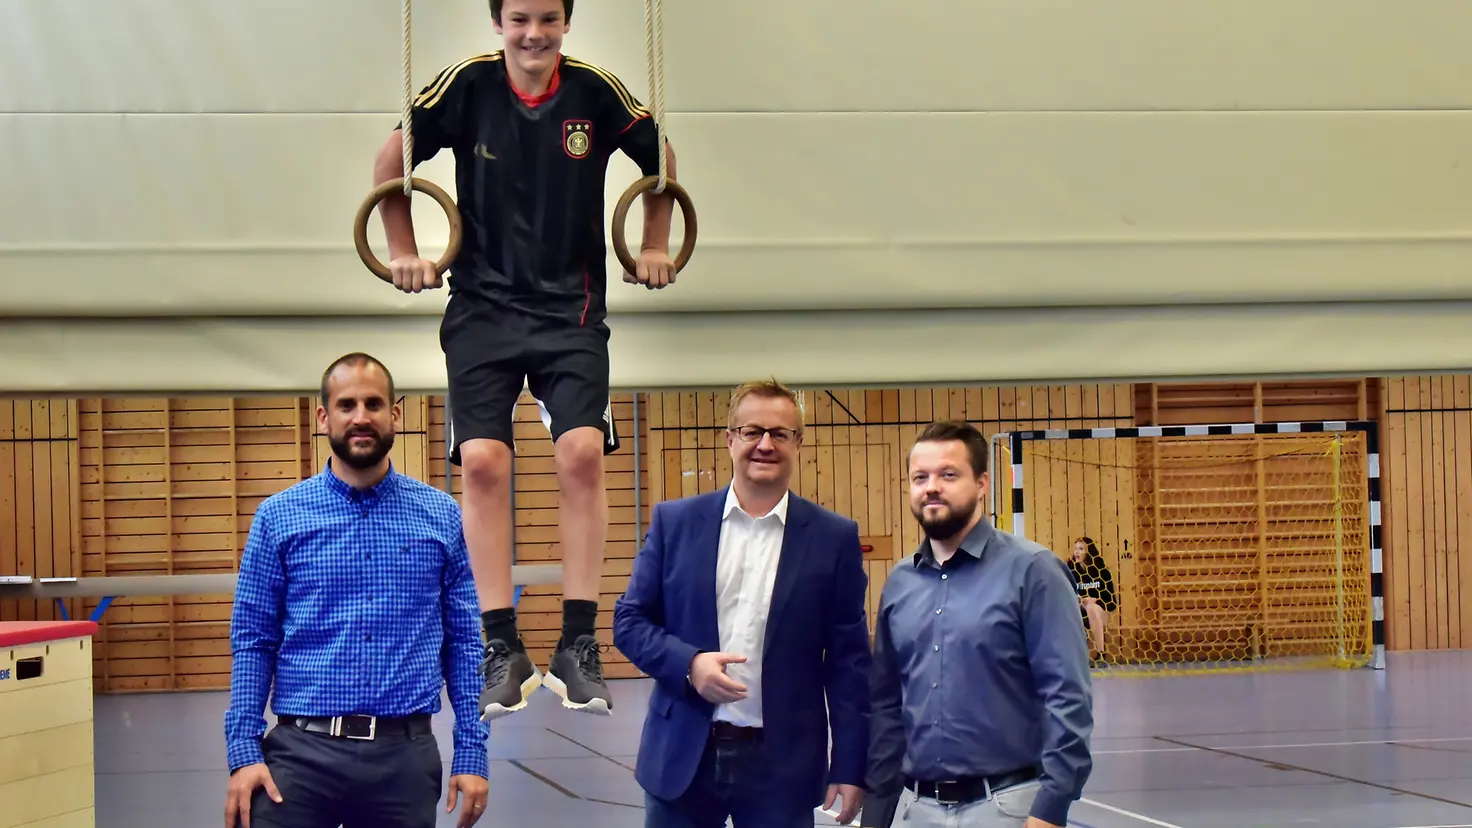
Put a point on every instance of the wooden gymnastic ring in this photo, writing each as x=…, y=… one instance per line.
x=429, y=188
x=621, y=217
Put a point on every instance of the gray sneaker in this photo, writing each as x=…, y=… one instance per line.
x=510, y=678
x=576, y=674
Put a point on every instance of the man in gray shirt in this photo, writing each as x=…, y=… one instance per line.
x=982, y=703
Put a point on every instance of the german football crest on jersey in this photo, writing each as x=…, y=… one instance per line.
x=577, y=137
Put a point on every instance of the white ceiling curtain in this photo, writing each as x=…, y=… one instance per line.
x=695, y=350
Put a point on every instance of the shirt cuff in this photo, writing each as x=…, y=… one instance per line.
x=1051, y=807
x=471, y=762
x=244, y=752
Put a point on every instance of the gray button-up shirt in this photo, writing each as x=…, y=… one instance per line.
x=981, y=668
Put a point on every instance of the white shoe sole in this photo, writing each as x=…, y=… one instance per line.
x=528, y=687
x=556, y=685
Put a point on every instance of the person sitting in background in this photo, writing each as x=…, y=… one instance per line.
x=1095, y=585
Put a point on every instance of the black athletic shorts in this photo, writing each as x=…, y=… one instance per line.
x=490, y=351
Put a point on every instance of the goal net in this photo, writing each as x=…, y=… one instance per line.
x=1218, y=547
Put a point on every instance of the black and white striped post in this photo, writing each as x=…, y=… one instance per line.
x=1372, y=450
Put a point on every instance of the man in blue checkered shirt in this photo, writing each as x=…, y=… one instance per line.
x=356, y=601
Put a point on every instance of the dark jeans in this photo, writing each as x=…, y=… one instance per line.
x=733, y=781
x=327, y=781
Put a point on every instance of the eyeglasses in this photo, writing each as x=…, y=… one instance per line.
x=753, y=434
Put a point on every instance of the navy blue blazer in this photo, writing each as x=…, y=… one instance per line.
x=815, y=658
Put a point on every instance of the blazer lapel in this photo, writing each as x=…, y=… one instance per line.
x=789, y=564
x=707, y=548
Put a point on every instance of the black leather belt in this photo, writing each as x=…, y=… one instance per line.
x=727, y=732
x=362, y=728
x=969, y=788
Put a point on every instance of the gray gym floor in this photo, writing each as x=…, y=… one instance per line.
x=1351, y=749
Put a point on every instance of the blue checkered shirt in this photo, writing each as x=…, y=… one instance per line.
x=355, y=602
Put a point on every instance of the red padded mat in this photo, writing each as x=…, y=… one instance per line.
x=21, y=633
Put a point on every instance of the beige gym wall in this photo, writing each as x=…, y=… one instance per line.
x=1140, y=158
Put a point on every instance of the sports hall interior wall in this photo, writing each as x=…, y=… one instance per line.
x=107, y=486
x=1165, y=209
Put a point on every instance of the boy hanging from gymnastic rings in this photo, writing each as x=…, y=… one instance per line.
x=532, y=131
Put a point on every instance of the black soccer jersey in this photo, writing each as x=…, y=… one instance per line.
x=530, y=179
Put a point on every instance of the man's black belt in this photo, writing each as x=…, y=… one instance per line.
x=727, y=732
x=362, y=728
x=969, y=788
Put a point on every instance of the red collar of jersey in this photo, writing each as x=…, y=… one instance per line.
x=552, y=86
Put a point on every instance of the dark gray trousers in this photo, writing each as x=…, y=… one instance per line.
x=328, y=781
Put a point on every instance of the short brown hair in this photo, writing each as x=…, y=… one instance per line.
x=946, y=431
x=497, y=4
x=768, y=388
x=357, y=359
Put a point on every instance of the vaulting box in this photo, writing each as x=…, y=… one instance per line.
x=46, y=724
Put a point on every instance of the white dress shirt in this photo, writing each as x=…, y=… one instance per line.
x=746, y=570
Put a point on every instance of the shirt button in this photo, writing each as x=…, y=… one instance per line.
x=943, y=577
x=937, y=648
x=937, y=612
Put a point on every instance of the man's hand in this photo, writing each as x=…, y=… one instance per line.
x=243, y=784
x=412, y=274
x=1034, y=822
x=475, y=789
x=656, y=270
x=853, y=798
x=708, y=675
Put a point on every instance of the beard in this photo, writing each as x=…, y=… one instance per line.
x=364, y=458
x=948, y=523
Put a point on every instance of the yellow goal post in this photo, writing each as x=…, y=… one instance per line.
x=1248, y=546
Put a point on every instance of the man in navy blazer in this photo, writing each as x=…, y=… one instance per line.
x=747, y=607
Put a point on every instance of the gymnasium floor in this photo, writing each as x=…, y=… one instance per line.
x=1351, y=749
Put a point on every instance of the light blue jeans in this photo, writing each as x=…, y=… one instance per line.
x=1007, y=808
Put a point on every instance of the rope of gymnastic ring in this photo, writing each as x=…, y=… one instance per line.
x=407, y=182
x=654, y=55
x=407, y=113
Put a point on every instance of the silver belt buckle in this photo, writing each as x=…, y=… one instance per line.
x=939, y=798
x=336, y=728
